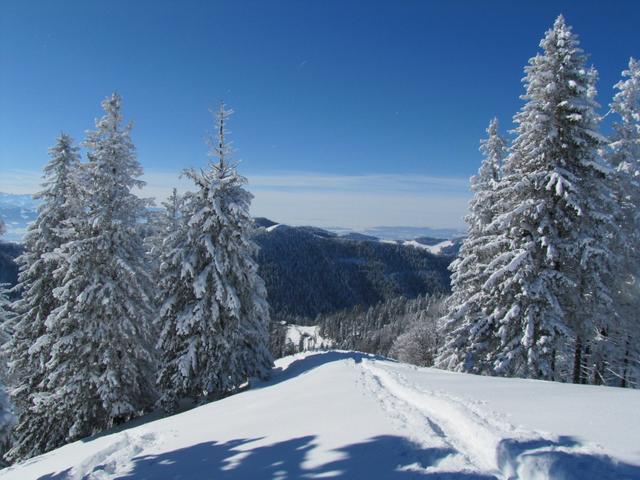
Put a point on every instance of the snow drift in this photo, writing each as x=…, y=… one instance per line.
x=350, y=415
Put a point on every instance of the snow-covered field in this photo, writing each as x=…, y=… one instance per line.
x=353, y=416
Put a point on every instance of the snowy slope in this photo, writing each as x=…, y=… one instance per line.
x=351, y=416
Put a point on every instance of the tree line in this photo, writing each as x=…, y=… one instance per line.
x=108, y=325
x=408, y=329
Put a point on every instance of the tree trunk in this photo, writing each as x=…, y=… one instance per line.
x=625, y=363
x=577, y=362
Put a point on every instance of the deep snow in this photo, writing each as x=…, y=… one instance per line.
x=349, y=415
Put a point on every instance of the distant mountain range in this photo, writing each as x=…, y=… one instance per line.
x=19, y=210
x=403, y=233
x=310, y=271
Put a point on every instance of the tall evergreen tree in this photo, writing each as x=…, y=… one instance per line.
x=624, y=155
x=556, y=211
x=215, y=317
x=99, y=369
x=29, y=345
x=469, y=328
x=553, y=219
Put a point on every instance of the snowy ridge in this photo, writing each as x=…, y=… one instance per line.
x=403, y=422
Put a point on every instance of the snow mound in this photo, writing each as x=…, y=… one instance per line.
x=348, y=415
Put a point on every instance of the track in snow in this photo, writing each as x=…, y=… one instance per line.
x=480, y=442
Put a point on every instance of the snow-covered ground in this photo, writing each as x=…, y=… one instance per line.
x=347, y=415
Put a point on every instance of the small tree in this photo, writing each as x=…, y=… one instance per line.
x=470, y=332
x=421, y=342
x=161, y=224
x=215, y=317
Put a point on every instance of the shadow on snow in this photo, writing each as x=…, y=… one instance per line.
x=384, y=457
x=560, y=460
x=380, y=458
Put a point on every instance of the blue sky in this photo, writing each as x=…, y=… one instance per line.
x=348, y=113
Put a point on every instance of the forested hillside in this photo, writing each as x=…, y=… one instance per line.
x=310, y=271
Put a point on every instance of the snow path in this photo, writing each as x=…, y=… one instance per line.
x=414, y=420
x=427, y=416
x=347, y=415
x=486, y=440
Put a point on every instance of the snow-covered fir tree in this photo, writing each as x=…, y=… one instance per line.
x=160, y=225
x=7, y=416
x=164, y=223
x=470, y=332
x=172, y=211
x=625, y=140
x=544, y=300
x=100, y=368
x=215, y=317
x=624, y=154
x=28, y=348
x=554, y=208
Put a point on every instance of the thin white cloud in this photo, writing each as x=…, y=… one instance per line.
x=364, y=183
x=20, y=182
x=298, y=198
x=355, y=201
